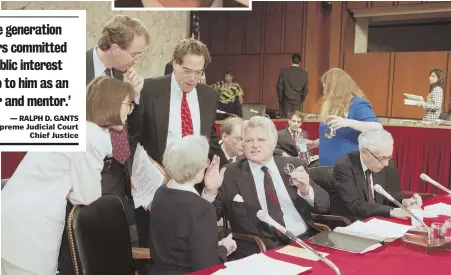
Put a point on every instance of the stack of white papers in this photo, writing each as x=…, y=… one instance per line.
x=439, y=209
x=375, y=229
x=412, y=99
x=262, y=265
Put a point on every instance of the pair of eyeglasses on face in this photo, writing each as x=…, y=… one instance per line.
x=190, y=73
x=136, y=55
x=380, y=159
x=239, y=139
x=131, y=106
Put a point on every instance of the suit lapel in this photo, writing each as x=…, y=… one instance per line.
x=248, y=191
x=161, y=112
x=203, y=108
x=89, y=66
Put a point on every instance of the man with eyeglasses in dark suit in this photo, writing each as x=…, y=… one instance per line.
x=356, y=174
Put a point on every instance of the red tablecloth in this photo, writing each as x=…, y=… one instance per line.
x=389, y=259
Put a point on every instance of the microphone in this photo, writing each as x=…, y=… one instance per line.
x=225, y=113
x=384, y=193
x=264, y=217
x=425, y=177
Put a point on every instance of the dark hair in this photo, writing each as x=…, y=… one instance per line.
x=229, y=73
x=296, y=58
x=191, y=46
x=440, y=79
x=295, y=113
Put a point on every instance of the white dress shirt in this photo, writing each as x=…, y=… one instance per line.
x=364, y=168
x=175, y=121
x=99, y=68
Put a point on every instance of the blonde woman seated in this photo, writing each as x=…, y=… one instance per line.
x=183, y=232
x=34, y=200
x=345, y=113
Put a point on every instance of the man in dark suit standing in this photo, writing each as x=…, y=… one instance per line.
x=356, y=174
x=120, y=47
x=260, y=182
x=292, y=87
x=175, y=106
x=168, y=69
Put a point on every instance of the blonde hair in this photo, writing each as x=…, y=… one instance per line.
x=104, y=97
x=339, y=88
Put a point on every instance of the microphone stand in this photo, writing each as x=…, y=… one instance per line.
x=381, y=191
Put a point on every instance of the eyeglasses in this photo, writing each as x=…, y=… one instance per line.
x=239, y=139
x=135, y=55
x=131, y=106
x=191, y=73
x=380, y=159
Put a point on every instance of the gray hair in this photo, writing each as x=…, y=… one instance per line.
x=373, y=139
x=184, y=158
x=263, y=122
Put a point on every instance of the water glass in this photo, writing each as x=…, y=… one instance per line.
x=438, y=232
x=448, y=230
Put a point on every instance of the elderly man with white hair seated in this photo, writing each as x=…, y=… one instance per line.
x=183, y=233
x=356, y=173
x=259, y=181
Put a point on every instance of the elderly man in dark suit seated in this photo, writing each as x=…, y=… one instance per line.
x=356, y=173
x=232, y=140
x=259, y=181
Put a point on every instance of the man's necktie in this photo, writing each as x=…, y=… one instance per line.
x=187, y=122
x=121, y=148
x=274, y=209
x=230, y=160
x=370, y=186
x=294, y=138
x=109, y=72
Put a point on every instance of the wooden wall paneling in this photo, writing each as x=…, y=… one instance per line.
x=335, y=33
x=347, y=34
x=206, y=28
x=371, y=72
x=313, y=56
x=246, y=71
x=408, y=2
x=447, y=100
x=236, y=32
x=293, y=27
x=216, y=69
x=381, y=3
x=219, y=33
x=262, y=56
x=355, y=4
x=253, y=27
x=273, y=27
x=390, y=85
x=273, y=63
x=411, y=75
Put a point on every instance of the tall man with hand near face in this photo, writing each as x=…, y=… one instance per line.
x=176, y=105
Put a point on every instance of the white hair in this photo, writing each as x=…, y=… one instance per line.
x=373, y=139
x=185, y=158
x=263, y=122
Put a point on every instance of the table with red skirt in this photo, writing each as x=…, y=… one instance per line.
x=418, y=149
x=392, y=258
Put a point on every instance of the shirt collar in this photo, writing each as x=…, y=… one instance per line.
x=98, y=64
x=183, y=187
x=271, y=164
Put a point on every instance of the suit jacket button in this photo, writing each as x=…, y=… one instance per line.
x=243, y=217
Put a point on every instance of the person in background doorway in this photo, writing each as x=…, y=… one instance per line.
x=433, y=105
x=292, y=87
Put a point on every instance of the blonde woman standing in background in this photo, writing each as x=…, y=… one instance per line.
x=345, y=113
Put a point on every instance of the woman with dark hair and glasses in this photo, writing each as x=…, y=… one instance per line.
x=433, y=105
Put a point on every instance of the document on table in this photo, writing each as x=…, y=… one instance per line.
x=376, y=229
x=147, y=176
x=262, y=265
x=439, y=209
x=300, y=253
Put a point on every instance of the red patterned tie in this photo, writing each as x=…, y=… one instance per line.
x=187, y=122
x=121, y=148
